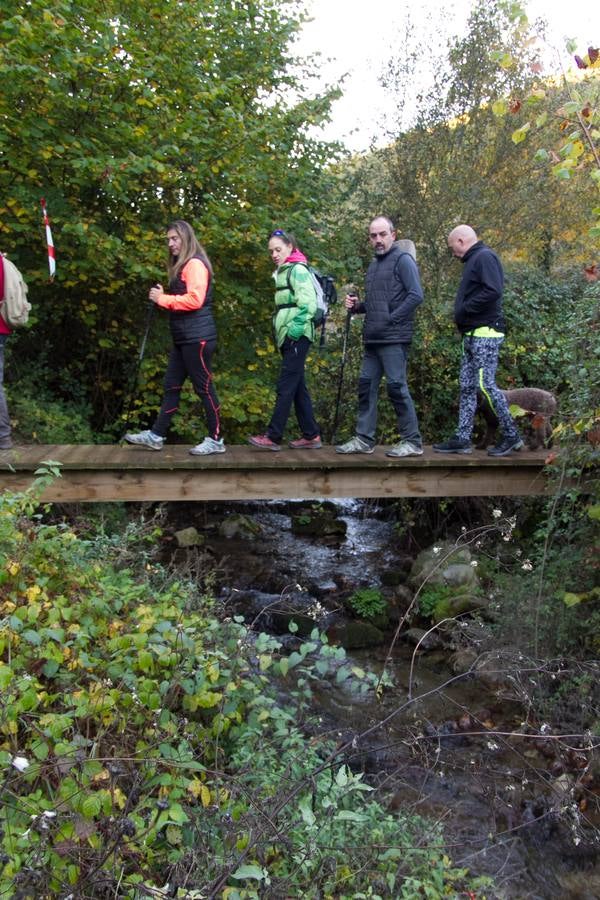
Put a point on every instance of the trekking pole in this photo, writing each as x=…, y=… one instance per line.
x=151, y=308
x=342, y=367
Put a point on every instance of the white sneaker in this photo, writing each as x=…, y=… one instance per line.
x=405, y=448
x=354, y=445
x=208, y=445
x=146, y=439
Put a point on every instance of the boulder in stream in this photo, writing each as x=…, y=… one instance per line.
x=422, y=639
x=356, y=634
x=239, y=526
x=274, y=612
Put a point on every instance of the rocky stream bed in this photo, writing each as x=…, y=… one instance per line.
x=451, y=735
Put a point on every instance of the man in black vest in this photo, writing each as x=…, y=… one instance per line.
x=392, y=293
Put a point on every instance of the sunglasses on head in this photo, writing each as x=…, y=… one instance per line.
x=279, y=233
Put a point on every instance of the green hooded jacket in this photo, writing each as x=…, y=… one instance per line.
x=297, y=320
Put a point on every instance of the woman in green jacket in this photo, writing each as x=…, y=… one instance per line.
x=295, y=307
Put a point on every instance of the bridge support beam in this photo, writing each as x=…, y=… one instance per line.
x=99, y=473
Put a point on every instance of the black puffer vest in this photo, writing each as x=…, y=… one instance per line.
x=389, y=310
x=192, y=325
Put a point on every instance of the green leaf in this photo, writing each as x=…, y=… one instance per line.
x=348, y=815
x=50, y=668
x=6, y=676
x=32, y=637
x=305, y=807
x=177, y=814
x=249, y=872
x=341, y=776
x=40, y=750
x=536, y=96
x=145, y=660
x=520, y=134
x=343, y=673
x=91, y=806
x=517, y=411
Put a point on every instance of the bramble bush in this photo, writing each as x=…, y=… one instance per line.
x=145, y=748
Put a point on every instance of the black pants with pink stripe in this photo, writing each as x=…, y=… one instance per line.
x=190, y=361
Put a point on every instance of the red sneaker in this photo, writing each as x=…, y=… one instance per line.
x=264, y=442
x=306, y=443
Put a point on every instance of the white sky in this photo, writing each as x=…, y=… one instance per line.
x=360, y=38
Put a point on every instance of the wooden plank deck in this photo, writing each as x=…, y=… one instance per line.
x=110, y=472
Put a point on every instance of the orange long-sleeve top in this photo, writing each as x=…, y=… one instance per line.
x=195, y=275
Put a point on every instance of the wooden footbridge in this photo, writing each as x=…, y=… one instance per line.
x=103, y=472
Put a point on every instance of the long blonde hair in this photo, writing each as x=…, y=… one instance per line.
x=190, y=246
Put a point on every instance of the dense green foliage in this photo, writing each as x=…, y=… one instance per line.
x=144, y=743
x=127, y=115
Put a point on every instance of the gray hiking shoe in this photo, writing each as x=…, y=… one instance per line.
x=354, y=445
x=207, y=446
x=405, y=448
x=146, y=439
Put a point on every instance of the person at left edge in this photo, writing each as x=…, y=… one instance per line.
x=295, y=307
x=5, y=430
x=194, y=334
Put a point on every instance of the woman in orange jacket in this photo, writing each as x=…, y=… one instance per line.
x=194, y=334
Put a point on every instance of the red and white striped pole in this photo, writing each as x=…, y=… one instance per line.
x=49, y=241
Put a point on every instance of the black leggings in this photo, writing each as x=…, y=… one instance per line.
x=190, y=361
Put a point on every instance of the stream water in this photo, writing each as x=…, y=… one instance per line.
x=449, y=747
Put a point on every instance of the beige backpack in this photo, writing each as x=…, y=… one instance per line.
x=15, y=307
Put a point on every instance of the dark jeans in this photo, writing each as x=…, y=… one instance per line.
x=389, y=360
x=291, y=388
x=190, y=361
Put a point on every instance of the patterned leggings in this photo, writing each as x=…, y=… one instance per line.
x=478, y=373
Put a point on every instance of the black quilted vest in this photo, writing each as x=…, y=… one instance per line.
x=192, y=325
x=385, y=295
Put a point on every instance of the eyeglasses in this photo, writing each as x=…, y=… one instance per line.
x=279, y=233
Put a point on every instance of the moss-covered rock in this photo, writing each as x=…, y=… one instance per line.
x=189, y=537
x=431, y=563
x=317, y=520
